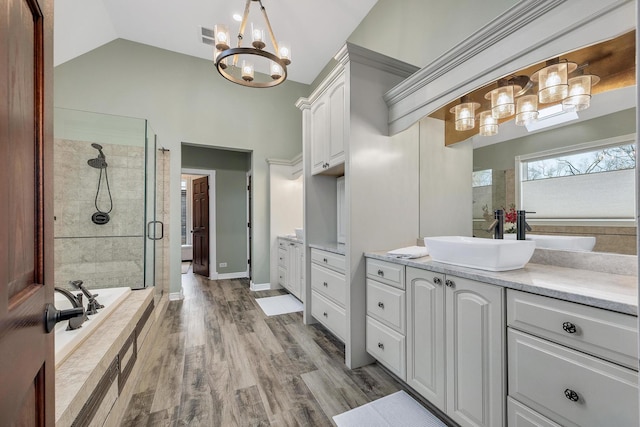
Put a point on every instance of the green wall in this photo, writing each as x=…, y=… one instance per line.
x=231, y=201
x=185, y=100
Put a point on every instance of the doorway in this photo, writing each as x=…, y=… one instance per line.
x=198, y=222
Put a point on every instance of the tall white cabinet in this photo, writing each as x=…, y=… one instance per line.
x=345, y=135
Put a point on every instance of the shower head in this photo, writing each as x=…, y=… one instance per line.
x=99, y=162
x=96, y=146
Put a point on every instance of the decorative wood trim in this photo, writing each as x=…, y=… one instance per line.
x=283, y=162
x=125, y=371
x=542, y=28
x=85, y=416
x=145, y=316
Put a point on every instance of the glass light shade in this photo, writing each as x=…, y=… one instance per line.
x=579, y=96
x=221, y=37
x=257, y=37
x=223, y=63
x=247, y=71
x=465, y=115
x=502, y=101
x=552, y=83
x=488, y=123
x=276, y=71
x=526, y=110
x=285, y=53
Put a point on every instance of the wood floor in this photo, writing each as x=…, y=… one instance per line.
x=219, y=361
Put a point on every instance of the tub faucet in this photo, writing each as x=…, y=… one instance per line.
x=92, y=305
x=521, y=225
x=497, y=226
x=76, y=302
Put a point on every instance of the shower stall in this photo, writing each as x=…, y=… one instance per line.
x=110, y=202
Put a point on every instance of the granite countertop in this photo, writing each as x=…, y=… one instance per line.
x=614, y=292
x=336, y=248
x=291, y=238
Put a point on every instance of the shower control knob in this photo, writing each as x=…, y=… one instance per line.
x=53, y=316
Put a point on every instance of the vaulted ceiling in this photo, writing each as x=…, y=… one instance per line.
x=314, y=29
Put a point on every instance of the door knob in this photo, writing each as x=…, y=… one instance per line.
x=53, y=316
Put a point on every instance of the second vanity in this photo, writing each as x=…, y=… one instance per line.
x=538, y=346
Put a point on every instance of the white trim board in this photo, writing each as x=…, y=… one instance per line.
x=528, y=33
x=213, y=273
x=259, y=287
x=238, y=275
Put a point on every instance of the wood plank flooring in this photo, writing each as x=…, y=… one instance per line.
x=219, y=361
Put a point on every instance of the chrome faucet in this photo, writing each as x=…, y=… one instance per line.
x=497, y=226
x=76, y=302
x=521, y=225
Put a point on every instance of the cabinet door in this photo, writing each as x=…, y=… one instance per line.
x=319, y=135
x=475, y=352
x=425, y=334
x=297, y=266
x=337, y=123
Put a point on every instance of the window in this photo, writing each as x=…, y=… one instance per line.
x=594, y=181
x=481, y=183
x=482, y=178
x=183, y=209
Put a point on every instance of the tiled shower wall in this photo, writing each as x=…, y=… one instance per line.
x=109, y=255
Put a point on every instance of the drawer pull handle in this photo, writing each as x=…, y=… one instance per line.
x=571, y=395
x=437, y=281
x=380, y=273
x=381, y=305
x=450, y=283
x=569, y=328
x=325, y=260
x=325, y=284
x=325, y=314
x=381, y=346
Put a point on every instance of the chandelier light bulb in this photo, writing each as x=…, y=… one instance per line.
x=285, y=53
x=465, y=114
x=257, y=36
x=552, y=81
x=221, y=37
x=247, y=71
x=276, y=71
x=502, y=104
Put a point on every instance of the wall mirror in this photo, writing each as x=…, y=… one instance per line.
x=575, y=164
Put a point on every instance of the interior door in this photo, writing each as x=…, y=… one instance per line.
x=26, y=212
x=201, y=226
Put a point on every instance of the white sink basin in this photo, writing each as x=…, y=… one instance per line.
x=569, y=243
x=484, y=254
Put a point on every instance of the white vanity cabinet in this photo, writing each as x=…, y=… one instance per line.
x=455, y=346
x=291, y=267
x=327, y=123
x=586, y=361
x=328, y=291
x=386, y=315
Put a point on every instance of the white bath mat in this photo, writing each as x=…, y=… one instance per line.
x=396, y=410
x=282, y=304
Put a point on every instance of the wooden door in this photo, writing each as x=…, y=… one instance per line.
x=475, y=325
x=26, y=212
x=425, y=335
x=201, y=226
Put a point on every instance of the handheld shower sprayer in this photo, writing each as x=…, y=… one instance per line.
x=101, y=217
x=99, y=162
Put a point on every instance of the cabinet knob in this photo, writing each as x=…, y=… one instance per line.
x=571, y=395
x=381, y=346
x=324, y=260
x=450, y=283
x=381, y=305
x=325, y=284
x=325, y=314
x=569, y=328
x=437, y=281
x=380, y=273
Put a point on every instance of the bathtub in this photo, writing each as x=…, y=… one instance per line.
x=67, y=341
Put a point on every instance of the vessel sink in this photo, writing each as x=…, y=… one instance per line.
x=483, y=254
x=569, y=243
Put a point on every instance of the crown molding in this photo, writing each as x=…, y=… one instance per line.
x=529, y=32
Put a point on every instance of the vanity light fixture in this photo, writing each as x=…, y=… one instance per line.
x=579, y=97
x=502, y=98
x=526, y=110
x=238, y=64
x=465, y=113
x=488, y=123
x=552, y=80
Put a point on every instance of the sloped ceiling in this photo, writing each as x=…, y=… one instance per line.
x=314, y=29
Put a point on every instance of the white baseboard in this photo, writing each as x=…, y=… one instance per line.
x=176, y=296
x=240, y=275
x=259, y=286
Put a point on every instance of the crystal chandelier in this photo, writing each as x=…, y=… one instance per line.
x=238, y=64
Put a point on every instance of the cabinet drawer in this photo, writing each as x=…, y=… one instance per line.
x=519, y=415
x=570, y=387
x=282, y=257
x=606, y=334
x=386, y=272
x=387, y=346
x=328, y=259
x=329, y=314
x=329, y=283
x=386, y=304
x=282, y=277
